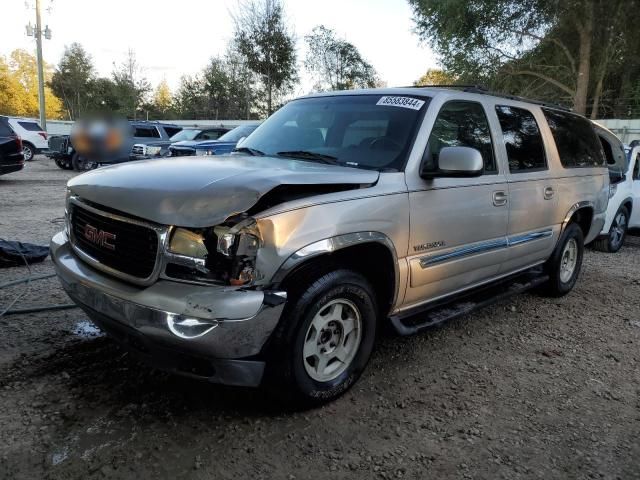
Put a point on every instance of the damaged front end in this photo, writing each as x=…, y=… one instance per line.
x=224, y=254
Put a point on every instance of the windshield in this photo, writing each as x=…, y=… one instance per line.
x=237, y=133
x=364, y=131
x=187, y=134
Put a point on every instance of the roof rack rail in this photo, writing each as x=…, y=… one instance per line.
x=485, y=91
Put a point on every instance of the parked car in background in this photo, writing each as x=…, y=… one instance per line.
x=343, y=212
x=143, y=139
x=34, y=138
x=223, y=145
x=11, y=152
x=196, y=134
x=621, y=192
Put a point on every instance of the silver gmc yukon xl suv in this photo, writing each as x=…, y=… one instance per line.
x=343, y=211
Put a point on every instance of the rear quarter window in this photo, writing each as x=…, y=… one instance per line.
x=577, y=143
x=171, y=131
x=5, y=130
x=31, y=126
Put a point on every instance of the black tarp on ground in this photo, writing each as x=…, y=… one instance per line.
x=14, y=254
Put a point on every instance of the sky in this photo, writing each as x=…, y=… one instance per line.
x=173, y=38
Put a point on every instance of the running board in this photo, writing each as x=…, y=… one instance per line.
x=416, y=320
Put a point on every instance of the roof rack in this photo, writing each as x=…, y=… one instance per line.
x=485, y=91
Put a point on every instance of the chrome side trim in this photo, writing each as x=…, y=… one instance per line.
x=161, y=232
x=333, y=244
x=528, y=237
x=483, y=247
x=463, y=252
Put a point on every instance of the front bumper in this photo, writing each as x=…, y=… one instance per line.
x=229, y=324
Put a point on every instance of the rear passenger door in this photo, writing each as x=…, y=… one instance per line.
x=532, y=193
x=634, y=167
x=458, y=225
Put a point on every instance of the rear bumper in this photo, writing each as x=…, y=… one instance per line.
x=206, y=332
x=10, y=166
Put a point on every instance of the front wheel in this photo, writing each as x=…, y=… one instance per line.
x=325, y=338
x=81, y=164
x=565, y=263
x=617, y=233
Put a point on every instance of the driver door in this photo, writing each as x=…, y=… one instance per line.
x=458, y=225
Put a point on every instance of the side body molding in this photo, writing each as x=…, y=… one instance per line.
x=333, y=244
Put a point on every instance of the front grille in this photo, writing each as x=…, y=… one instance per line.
x=129, y=248
x=138, y=150
x=58, y=144
x=182, y=152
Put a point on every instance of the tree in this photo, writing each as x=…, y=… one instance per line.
x=72, y=80
x=162, y=99
x=19, y=87
x=434, y=76
x=130, y=84
x=567, y=45
x=264, y=40
x=336, y=63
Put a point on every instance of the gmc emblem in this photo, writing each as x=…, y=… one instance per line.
x=100, y=237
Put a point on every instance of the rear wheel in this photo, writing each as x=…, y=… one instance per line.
x=64, y=164
x=617, y=233
x=28, y=151
x=564, y=265
x=324, y=340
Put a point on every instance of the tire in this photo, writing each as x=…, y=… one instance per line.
x=617, y=233
x=63, y=164
x=80, y=164
x=570, y=250
x=28, y=151
x=298, y=370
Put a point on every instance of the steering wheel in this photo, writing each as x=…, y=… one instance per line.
x=384, y=143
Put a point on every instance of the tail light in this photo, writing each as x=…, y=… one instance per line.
x=19, y=142
x=43, y=134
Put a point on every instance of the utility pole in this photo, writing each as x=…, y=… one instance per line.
x=37, y=32
x=43, y=114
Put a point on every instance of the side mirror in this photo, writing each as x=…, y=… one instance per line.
x=455, y=162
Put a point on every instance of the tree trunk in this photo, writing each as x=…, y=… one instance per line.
x=585, y=32
x=596, y=98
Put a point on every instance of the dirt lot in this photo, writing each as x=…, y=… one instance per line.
x=535, y=388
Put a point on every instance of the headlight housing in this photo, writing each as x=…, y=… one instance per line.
x=612, y=190
x=223, y=254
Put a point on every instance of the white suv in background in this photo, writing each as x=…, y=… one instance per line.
x=623, y=211
x=34, y=138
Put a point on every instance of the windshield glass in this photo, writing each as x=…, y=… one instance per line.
x=364, y=131
x=186, y=134
x=237, y=133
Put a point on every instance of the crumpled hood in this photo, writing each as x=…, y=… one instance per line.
x=201, y=191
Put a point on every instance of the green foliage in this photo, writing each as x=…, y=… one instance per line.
x=264, y=41
x=336, y=63
x=72, y=80
x=131, y=87
x=570, y=51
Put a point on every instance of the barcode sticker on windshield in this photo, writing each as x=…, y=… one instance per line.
x=404, y=102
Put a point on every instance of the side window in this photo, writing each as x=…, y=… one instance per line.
x=636, y=168
x=31, y=126
x=462, y=124
x=522, y=139
x=210, y=135
x=577, y=142
x=147, y=132
x=608, y=151
x=171, y=131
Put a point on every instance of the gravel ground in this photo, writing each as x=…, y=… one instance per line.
x=534, y=388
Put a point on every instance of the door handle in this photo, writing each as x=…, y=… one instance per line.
x=499, y=198
x=548, y=193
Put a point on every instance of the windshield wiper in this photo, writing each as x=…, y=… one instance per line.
x=307, y=155
x=251, y=151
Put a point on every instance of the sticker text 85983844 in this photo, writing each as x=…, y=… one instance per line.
x=403, y=102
